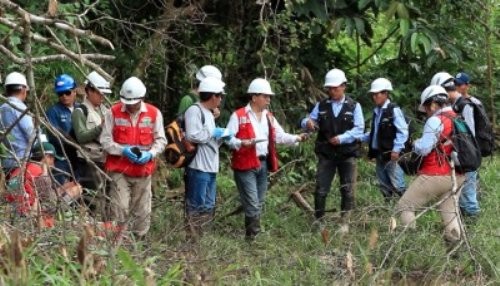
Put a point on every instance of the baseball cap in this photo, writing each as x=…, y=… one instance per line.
x=462, y=78
x=46, y=149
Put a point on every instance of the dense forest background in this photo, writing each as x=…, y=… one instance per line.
x=292, y=43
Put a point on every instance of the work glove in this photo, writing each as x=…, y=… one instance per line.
x=146, y=156
x=219, y=133
x=127, y=152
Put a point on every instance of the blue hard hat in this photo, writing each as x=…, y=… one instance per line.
x=64, y=83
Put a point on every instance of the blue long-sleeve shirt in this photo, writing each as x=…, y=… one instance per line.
x=399, y=123
x=18, y=139
x=350, y=135
x=59, y=117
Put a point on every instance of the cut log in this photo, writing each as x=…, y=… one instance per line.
x=301, y=202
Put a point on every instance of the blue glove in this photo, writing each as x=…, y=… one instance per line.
x=146, y=156
x=127, y=152
x=230, y=135
x=218, y=132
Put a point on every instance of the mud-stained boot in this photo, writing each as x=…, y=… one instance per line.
x=252, y=227
x=192, y=226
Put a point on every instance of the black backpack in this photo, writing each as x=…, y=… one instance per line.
x=484, y=134
x=180, y=152
x=466, y=155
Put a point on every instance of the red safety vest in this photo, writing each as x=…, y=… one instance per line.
x=246, y=157
x=141, y=135
x=436, y=162
x=23, y=198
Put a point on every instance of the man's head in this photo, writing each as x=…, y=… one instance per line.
x=16, y=85
x=260, y=93
x=208, y=71
x=335, y=83
x=211, y=90
x=45, y=153
x=379, y=90
x=64, y=86
x=132, y=93
x=462, y=82
x=96, y=87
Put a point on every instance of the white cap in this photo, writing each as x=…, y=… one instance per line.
x=15, y=78
x=380, y=84
x=208, y=71
x=334, y=78
x=97, y=81
x=260, y=86
x=430, y=91
x=212, y=85
x=132, y=91
x=441, y=77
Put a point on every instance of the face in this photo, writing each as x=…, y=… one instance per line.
x=216, y=100
x=431, y=108
x=95, y=97
x=336, y=92
x=379, y=98
x=133, y=108
x=462, y=88
x=261, y=101
x=67, y=98
x=49, y=160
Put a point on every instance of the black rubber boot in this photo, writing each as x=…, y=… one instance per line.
x=252, y=227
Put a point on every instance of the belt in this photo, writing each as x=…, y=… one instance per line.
x=263, y=157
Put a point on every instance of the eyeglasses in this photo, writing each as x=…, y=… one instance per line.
x=65, y=93
x=219, y=95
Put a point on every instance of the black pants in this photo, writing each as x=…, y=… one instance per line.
x=326, y=170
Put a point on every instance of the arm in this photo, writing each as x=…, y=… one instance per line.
x=401, y=130
x=106, y=138
x=160, y=140
x=430, y=136
x=468, y=115
x=281, y=136
x=79, y=122
x=356, y=133
x=196, y=131
x=233, y=126
x=313, y=116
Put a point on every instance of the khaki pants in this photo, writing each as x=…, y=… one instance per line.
x=131, y=201
x=425, y=189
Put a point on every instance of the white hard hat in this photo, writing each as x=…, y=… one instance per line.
x=212, y=85
x=208, y=71
x=260, y=86
x=380, y=84
x=334, y=78
x=98, y=82
x=132, y=91
x=431, y=91
x=441, y=77
x=15, y=78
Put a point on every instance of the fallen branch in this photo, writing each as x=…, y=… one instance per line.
x=301, y=202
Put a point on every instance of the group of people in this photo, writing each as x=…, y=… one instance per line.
x=123, y=141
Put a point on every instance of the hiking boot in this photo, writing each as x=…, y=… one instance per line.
x=252, y=227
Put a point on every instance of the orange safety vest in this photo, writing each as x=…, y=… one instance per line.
x=246, y=157
x=436, y=162
x=141, y=135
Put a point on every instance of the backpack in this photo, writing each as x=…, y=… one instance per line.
x=484, y=134
x=180, y=152
x=466, y=154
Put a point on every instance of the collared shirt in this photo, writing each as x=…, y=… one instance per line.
x=350, y=135
x=431, y=133
x=207, y=156
x=20, y=135
x=261, y=130
x=59, y=117
x=113, y=148
x=79, y=121
x=399, y=123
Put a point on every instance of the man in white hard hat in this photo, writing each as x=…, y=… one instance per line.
x=21, y=130
x=340, y=124
x=201, y=173
x=254, y=150
x=192, y=97
x=87, y=120
x=434, y=175
x=132, y=136
x=387, y=138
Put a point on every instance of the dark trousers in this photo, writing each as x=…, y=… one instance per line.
x=326, y=170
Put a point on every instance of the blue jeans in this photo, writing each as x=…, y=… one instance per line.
x=252, y=185
x=200, y=191
x=391, y=177
x=468, y=198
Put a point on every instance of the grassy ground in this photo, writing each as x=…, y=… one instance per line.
x=290, y=251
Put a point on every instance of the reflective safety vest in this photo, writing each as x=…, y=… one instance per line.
x=246, y=158
x=140, y=135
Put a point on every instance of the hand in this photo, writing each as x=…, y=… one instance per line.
x=219, y=133
x=310, y=125
x=394, y=156
x=146, y=156
x=247, y=142
x=334, y=141
x=216, y=112
x=127, y=152
x=302, y=137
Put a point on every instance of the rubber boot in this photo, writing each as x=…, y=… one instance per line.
x=252, y=227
